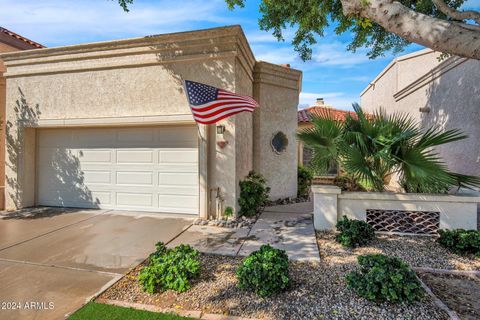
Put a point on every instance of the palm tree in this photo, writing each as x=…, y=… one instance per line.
x=371, y=148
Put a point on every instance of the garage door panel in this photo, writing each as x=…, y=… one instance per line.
x=95, y=156
x=148, y=169
x=101, y=198
x=145, y=135
x=175, y=179
x=134, y=156
x=134, y=199
x=97, y=177
x=74, y=198
x=176, y=190
x=93, y=138
x=177, y=137
x=52, y=139
x=179, y=201
x=135, y=178
x=178, y=156
x=185, y=168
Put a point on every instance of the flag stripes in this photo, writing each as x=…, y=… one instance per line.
x=210, y=104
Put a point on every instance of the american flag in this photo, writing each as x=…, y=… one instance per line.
x=210, y=104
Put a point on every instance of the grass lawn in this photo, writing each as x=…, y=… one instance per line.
x=99, y=311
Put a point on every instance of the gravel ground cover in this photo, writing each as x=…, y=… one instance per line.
x=317, y=291
x=418, y=251
x=459, y=293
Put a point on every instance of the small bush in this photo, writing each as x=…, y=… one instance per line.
x=384, y=278
x=253, y=194
x=265, y=271
x=354, y=233
x=228, y=212
x=170, y=269
x=304, y=181
x=461, y=241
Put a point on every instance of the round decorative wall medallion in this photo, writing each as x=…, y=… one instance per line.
x=279, y=142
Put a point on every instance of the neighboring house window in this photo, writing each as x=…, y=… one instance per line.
x=279, y=142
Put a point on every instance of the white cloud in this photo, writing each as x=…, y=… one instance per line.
x=57, y=23
x=274, y=54
x=332, y=54
x=339, y=100
x=267, y=37
x=336, y=54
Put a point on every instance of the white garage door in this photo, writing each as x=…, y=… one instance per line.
x=147, y=168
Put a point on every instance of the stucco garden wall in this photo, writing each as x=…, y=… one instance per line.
x=331, y=204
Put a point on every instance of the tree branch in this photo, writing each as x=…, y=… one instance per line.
x=437, y=34
x=455, y=14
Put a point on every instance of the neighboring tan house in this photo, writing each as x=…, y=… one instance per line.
x=305, y=116
x=443, y=93
x=107, y=125
x=9, y=42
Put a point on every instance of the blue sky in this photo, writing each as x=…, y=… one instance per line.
x=334, y=73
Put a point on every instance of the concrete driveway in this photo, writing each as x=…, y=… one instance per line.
x=52, y=261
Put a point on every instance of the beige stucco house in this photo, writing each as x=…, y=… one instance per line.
x=107, y=125
x=9, y=42
x=444, y=93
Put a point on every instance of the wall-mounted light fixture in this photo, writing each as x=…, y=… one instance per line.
x=220, y=129
x=424, y=109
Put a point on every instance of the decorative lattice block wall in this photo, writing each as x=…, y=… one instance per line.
x=418, y=222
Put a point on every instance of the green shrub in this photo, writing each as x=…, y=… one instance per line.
x=384, y=278
x=253, y=194
x=304, y=181
x=170, y=269
x=354, y=233
x=265, y=271
x=461, y=241
x=228, y=212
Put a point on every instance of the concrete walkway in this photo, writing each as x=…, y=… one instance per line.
x=287, y=227
x=53, y=261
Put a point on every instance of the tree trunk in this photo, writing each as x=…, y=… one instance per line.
x=440, y=35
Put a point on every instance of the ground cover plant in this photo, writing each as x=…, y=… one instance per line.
x=373, y=148
x=384, y=278
x=354, y=233
x=253, y=194
x=170, y=269
x=264, y=271
x=461, y=241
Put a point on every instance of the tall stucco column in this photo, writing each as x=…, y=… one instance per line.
x=276, y=88
x=325, y=208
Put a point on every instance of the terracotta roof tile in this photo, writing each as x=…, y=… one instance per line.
x=305, y=115
x=19, y=37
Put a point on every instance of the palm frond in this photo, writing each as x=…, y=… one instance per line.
x=323, y=139
x=372, y=147
x=435, y=137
